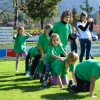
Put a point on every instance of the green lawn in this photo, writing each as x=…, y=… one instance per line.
x=16, y=86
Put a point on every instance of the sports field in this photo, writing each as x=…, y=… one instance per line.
x=17, y=86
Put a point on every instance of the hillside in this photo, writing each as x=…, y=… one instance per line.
x=69, y=4
x=65, y=4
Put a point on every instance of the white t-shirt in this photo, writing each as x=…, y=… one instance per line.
x=84, y=34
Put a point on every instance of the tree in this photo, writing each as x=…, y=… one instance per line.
x=75, y=16
x=41, y=9
x=88, y=9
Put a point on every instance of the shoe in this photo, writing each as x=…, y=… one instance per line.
x=16, y=70
x=27, y=73
x=31, y=77
x=42, y=79
x=70, y=84
x=92, y=57
x=45, y=83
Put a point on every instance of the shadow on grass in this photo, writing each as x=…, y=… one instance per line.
x=24, y=88
x=63, y=96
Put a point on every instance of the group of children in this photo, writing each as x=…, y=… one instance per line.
x=51, y=59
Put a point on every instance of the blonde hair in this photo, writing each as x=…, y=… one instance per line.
x=72, y=57
x=54, y=35
x=47, y=26
x=19, y=28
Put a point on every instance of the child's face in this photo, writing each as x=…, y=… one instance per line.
x=47, y=31
x=21, y=31
x=84, y=18
x=66, y=19
x=55, y=41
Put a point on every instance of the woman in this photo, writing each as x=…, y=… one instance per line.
x=85, y=27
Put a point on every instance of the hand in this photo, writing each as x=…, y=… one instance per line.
x=90, y=20
x=76, y=41
x=61, y=59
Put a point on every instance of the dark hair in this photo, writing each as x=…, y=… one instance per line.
x=67, y=13
x=82, y=14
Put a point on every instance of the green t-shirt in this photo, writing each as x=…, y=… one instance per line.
x=87, y=69
x=59, y=68
x=53, y=51
x=44, y=42
x=63, y=30
x=31, y=51
x=20, y=43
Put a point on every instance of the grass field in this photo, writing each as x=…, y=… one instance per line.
x=17, y=86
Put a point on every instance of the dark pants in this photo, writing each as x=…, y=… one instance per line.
x=85, y=44
x=35, y=63
x=27, y=61
x=73, y=47
x=82, y=85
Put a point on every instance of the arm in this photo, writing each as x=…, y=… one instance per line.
x=59, y=81
x=41, y=50
x=85, y=27
x=65, y=54
x=91, y=26
x=92, y=86
x=29, y=35
x=57, y=57
x=74, y=78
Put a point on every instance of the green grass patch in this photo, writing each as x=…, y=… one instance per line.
x=17, y=86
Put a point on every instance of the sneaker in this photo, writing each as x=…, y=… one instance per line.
x=70, y=84
x=45, y=83
x=27, y=73
x=41, y=79
x=92, y=57
x=16, y=70
x=31, y=77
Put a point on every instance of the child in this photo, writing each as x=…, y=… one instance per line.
x=31, y=52
x=54, y=50
x=85, y=27
x=20, y=44
x=86, y=72
x=73, y=45
x=60, y=68
x=64, y=29
x=41, y=48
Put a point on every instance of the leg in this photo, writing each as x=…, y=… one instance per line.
x=88, y=49
x=27, y=62
x=87, y=86
x=47, y=74
x=80, y=87
x=82, y=45
x=35, y=63
x=72, y=47
x=75, y=48
x=17, y=61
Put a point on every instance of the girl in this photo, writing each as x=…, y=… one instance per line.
x=85, y=27
x=54, y=50
x=86, y=73
x=41, y=48
x=64, y=29
x=60, y=68
x=20, y=44
x=29, y=57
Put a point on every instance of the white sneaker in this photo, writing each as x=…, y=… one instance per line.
x=16, y=70
x=27, y=73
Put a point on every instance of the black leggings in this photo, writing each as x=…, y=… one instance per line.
x=35, y=63
x=82, y=85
